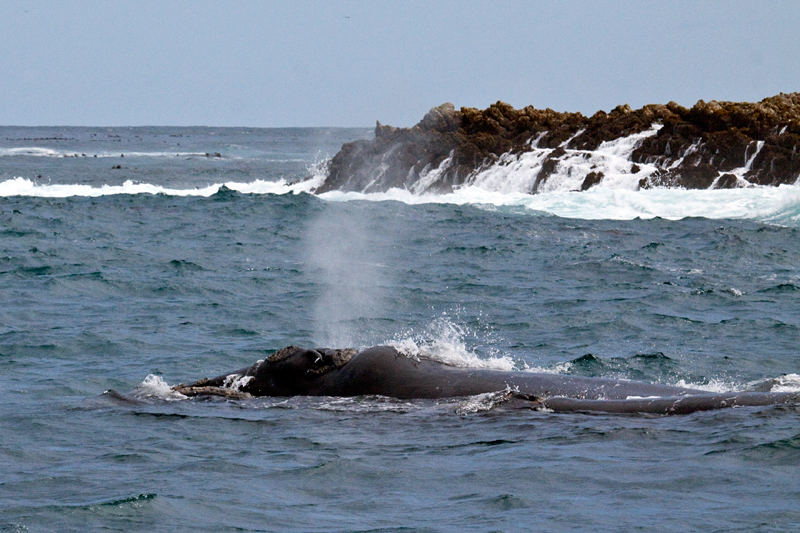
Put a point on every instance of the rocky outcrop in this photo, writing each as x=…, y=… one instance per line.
x=714, y=144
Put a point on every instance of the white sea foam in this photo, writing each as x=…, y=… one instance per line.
x=778, y=205
x=26, y=187
x=787, y=383
x=520, y=173
x=428, y=177
x=33, y=151
x=443, y=341
x=482, y=402
x=155, y=387
x=376, y=404
x=741, y=171
x=38, y=151
x=713, y=385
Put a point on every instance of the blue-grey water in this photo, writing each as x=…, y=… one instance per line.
x=178, y=265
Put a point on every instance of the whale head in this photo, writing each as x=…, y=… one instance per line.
x=294, y=371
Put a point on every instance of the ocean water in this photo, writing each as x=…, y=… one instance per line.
x=118, y=282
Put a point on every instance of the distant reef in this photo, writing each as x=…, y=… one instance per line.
x=710, y=145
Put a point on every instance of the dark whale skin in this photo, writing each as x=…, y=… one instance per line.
x=382, y=370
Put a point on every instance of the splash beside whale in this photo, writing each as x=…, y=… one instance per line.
x=382, y=370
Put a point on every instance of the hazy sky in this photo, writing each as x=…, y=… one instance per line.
x=349, y=63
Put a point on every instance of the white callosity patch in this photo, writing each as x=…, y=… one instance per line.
x=236, y=382
x=522, y=173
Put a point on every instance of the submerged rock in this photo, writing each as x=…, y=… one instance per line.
x=710, y=145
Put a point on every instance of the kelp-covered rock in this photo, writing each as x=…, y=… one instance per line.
x=714, y=144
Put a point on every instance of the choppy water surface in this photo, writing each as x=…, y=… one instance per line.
x=109, y=276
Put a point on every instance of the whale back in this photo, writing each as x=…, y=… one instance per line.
x=382, y=370
x=385, y=371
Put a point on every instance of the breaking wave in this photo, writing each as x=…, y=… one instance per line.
x=776, y=205
x=38, y=151
x=26, y=187
x=520, y=173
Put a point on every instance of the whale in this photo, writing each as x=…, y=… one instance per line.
x=386, y=371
